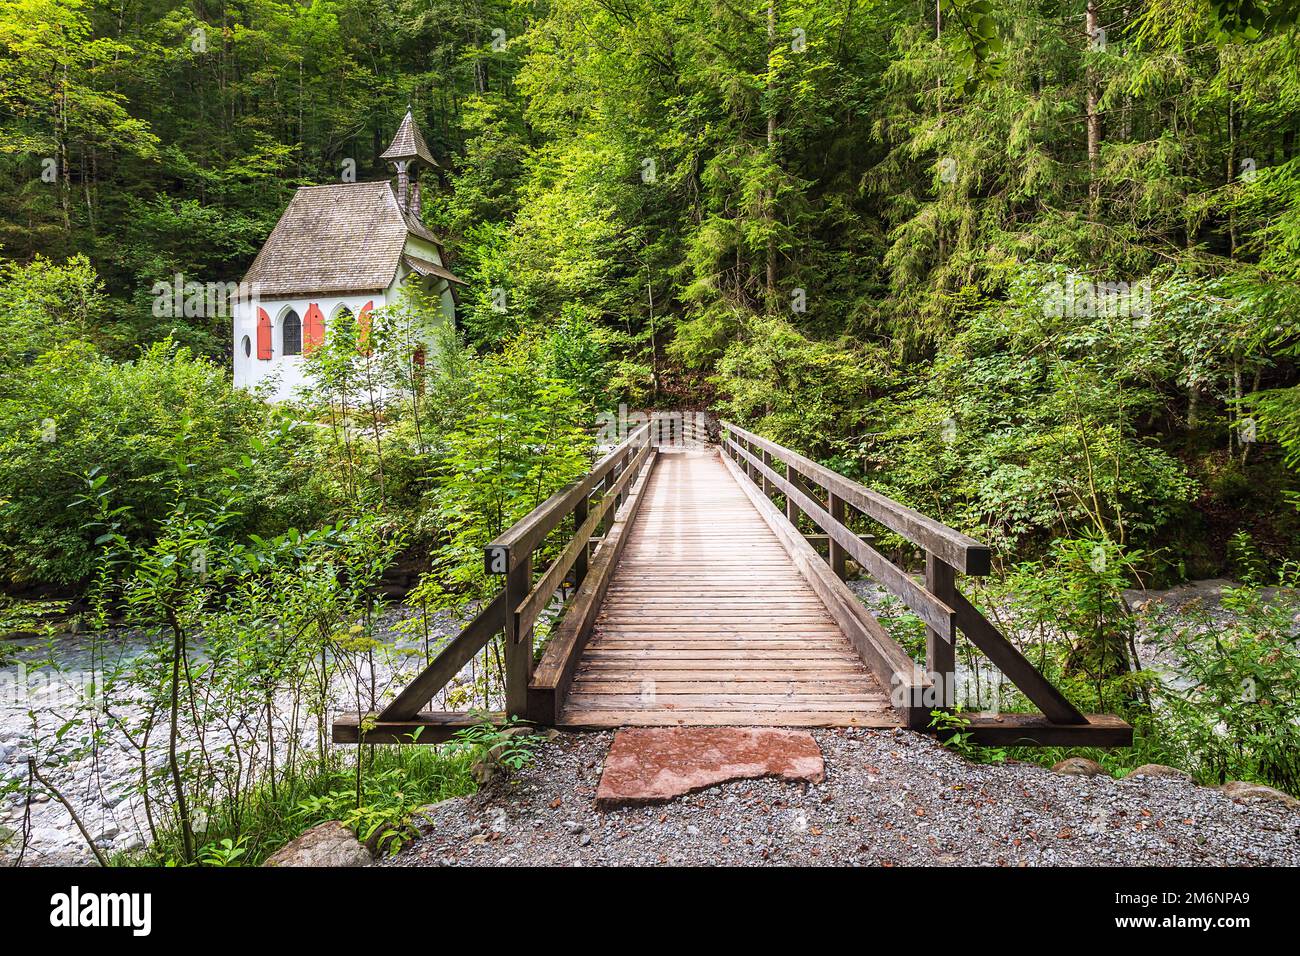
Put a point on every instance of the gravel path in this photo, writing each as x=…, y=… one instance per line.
x=890, y=798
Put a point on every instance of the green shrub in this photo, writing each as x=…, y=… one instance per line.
x=1234, y=708
x=73, y=412
x=396, y=782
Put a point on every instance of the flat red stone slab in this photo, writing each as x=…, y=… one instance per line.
x=654, y=764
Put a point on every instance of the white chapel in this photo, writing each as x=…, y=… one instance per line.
x=350, y=246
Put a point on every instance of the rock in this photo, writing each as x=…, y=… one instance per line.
x=485, y=770
x=1160, y=770
x=654, y=764
x=108, y=832
x=1241, y=790
x=427, y=812
x=1078, y=767
x=584, y=839
x=327, y=844
x=52, y=836
x=488, y=767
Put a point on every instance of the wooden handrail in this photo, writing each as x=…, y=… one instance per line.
x=540, y=596
x=911, y=690
x=956, y=549
x=928, y=607
x=939, y=603
x=521, y=539
x=554, y=672
x=511, y=553
x=516, y=606
x=472, y=639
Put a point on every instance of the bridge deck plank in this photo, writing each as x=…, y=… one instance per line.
x=708, y=622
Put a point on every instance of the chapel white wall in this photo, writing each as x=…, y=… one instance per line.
x=284, y=375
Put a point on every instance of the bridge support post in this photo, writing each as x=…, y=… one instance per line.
x=940, y=653
x=518, y=647
x=838, y=555
x=613, y=477
x=792, y=510
x=580, y=511
x=602, y=529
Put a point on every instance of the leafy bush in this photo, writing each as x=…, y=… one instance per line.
x=1233, y=703
x=1220, y=697
x=73, y=412
x=1027, y=426
x=396, y=782
x=43, y=304
x=520, y=440
x=795, y=390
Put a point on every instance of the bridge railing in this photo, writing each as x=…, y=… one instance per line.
x=829, y=500
x=595, y=504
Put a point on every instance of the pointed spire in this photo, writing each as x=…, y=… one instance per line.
x=408, y=143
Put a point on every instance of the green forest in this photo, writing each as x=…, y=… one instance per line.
x=1031, y=268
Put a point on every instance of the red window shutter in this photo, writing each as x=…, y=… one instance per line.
x=313, y=328
x=263, y=335
x=417, y=357
x=363, y=328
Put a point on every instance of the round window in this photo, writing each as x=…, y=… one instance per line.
x=248, y=345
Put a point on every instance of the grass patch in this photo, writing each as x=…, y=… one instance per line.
x=394, y=782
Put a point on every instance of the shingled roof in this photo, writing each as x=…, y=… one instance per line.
x=348, y=237
x=408, y=143
x=426, y=268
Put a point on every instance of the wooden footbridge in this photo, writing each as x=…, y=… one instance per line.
x=708, y=588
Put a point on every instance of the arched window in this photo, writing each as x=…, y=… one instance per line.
x=342, y=325
x=248, y=346
x=292, y=334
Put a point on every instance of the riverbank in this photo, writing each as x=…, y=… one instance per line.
x=82, y=749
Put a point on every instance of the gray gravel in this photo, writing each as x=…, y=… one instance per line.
x=891, y=798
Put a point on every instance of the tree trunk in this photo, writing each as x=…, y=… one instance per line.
x=769, y=212
x=1232, y=171
x=1091, y=23
x=938, y=33
x=173, y=760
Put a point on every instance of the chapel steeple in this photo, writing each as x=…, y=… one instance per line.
x=407, y=149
